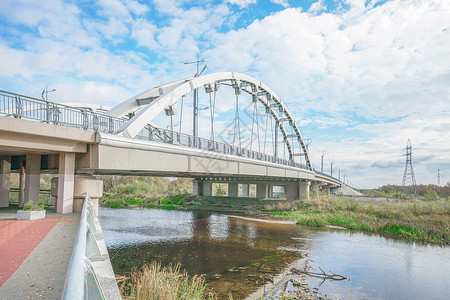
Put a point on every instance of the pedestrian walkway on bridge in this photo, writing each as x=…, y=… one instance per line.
x=35, y=255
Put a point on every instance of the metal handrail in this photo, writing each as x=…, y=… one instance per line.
x=328, y=176
x=80, y=268
x=25, y=107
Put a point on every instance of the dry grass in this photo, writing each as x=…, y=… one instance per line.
x=281, y=206
x=428, y=221
x=169, y=283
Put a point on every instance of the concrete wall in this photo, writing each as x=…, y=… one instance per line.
x=345, y=190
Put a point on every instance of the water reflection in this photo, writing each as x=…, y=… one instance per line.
x=239, y=255
x=218, y=226
x=127, y=227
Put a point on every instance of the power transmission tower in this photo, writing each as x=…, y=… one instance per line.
x=408, y=177
x=439, y=177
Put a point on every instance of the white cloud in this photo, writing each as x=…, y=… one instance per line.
x=284, y=3
x=144, y=33
x=317, y=7
x=137, y=8
x=242, y=3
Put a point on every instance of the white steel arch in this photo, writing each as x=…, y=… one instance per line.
x=149, y=104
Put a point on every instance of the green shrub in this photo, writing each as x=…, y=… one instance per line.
x=32, y=205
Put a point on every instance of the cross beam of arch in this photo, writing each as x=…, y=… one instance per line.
x=149, y=104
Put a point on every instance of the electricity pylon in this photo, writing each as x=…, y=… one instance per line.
x=408, y=177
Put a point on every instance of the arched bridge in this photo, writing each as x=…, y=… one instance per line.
x=247, y=136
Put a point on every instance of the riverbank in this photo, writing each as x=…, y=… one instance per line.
x=426, y=221
x=241, y=205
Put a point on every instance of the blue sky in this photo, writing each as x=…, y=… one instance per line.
x=360, y=77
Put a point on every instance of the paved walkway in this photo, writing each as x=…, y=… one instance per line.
x=35, y=255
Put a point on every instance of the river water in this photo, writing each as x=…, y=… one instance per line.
x=239, y=256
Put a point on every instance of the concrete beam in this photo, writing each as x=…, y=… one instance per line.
x=5, y=170
x=64, y=201
x=32, y=177
x=19, y=134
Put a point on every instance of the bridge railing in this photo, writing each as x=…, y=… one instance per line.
x=29, y=108
x=80, y=274
x=327, y=175
x=168, y=136
x=25, y=107
x=83, y=280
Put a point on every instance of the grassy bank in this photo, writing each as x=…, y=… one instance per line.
x=427, y=221
x=169, y=283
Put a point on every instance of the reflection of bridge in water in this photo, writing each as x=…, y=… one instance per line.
x=258, y=143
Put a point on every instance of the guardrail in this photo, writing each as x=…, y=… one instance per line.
x=83, y=280
x=328, y=176
x=25, y=107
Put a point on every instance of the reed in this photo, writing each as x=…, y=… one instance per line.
x=155, y=282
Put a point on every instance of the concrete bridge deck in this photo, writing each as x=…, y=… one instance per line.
x=35, y=255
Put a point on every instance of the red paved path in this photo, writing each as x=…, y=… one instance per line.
x=17, y=240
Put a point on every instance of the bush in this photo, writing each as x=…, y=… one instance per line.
x=31, y=205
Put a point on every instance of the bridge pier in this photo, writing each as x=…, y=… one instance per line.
x=86, y=184
x=233, y=189
x=245, y=191
x=5, y=171
x=206, y=188
x=292, y=190
x=197, y=187
x=32, y=177
x=262, y=190
x=304, y=189
x=65, y=183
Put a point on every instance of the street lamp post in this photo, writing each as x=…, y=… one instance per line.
x=46, y=92
x=195, y=108
x=321, y=161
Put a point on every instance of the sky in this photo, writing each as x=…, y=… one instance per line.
x=360, y=77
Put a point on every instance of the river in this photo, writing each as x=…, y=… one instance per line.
x=239, y=256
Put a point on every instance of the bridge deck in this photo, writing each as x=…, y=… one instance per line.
x=35, y=255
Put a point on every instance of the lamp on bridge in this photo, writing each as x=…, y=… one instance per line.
x=46, y=92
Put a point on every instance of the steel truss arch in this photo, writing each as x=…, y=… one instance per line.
x=147, y=105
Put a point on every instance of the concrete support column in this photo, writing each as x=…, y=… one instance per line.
x=304, y=189
x=270, y=191
x=245, y=192
x=197, y=187
x=21, y=183
x=86, y=185
x=32, y=177
x=233, y=188
x=5, y=170
x=261, y=190
x=327, y=189
x=64, y=201
x=207, y=188
x=292, y=191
